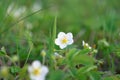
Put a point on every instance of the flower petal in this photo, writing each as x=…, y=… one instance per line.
x=40, y=77
x=57, y=41
x=70, y=41
x=69, y=35
x=61, y=34
x=83, y=43
x=44, y=71
x=36, y=64
x=30, y=69
x=62, y=46
x=70, y=38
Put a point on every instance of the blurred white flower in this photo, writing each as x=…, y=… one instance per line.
x=86, y=45
x=29, y=25
x=37, y=71
x=36, y=6
x=10, y=7
x=14, y=11
x=18, y=12
x=63, y=40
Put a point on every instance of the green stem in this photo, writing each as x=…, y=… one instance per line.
x=71, y=73
x=28, y=56
x=52, y=39
x=10, y=59
x=43, y=60
x=112, y=65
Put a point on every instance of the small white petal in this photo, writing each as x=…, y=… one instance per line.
x=30, y=69
x=70, y=41
x=57, y=41
x=61, y=35
x=69, y=35
x=83, y=43
x=36, y=64
x=44, y=71
x=33, y=77
x=62, y=46
x=87, y=44
x=90, y=47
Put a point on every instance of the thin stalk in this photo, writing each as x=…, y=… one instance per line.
x=10, y=59
x=18, y=52
x=54, y=28
x=112, y=65
x=71, y=73
x=43, y=60
x=52, y=39
x=28, y=56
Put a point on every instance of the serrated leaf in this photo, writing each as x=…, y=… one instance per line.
x=55, y=75
x=86, y=69
x=22, y=73
x=14, y=69
x=71, y=53
x=83, y=59
x=112, y=78
x=2, y=53
x=95, y=75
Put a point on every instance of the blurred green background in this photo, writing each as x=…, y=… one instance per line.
x=89, y=20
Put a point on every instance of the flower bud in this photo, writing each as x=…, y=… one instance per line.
x=4, y=71
x=43, y=53
x=15, y=58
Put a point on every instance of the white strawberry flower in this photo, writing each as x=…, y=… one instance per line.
x=63, y=40
x=86, y=45
x=37, y=71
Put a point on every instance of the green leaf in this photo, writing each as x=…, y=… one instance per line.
x=14, y=69
x=2, y=53
x=95, y=75
x=71, y=53
x=23, y=72
x=86, y=69
x=54, y=28
x=83, y=59
x=55, y=75
x=76, y=57
x=112, y=78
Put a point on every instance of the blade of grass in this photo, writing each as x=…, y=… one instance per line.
x=54, y=28
x=51, y=42
x=13, y=24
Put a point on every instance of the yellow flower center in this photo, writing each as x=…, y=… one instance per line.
x=64, y=40
x=36, y=72
x=85, y=46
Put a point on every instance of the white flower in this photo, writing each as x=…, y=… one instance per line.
x=64, y=40
x=37, y=71
x=15, y=12
x=29, y=26
x=36, y=6
x=18, y=12
x=86, y=45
